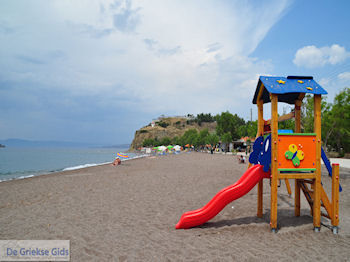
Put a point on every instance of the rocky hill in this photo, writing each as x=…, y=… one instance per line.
x=168, y=127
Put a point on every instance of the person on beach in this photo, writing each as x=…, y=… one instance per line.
x=117, y=161
x=241, y=159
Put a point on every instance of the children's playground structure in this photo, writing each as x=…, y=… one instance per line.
x=282, y=155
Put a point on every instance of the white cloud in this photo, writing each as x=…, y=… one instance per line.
x=344, y=76
x=324, y=81
x=158, y=56
x=312, y=56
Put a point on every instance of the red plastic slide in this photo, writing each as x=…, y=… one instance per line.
x=198, y=217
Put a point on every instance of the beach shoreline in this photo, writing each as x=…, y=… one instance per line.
x=129, y=212
x=6, y=175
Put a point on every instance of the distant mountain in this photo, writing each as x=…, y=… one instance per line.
x=14, y=142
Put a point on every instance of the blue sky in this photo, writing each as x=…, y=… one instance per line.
x=96, y=71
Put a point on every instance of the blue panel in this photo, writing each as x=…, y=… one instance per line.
x=265, y=157
x=285, y=131
x=257, y=149
x=288, y=89
x=261, y=152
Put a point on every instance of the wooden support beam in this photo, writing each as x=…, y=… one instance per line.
x=274, y=164
x=297, y=113
x=258, y=98
x=282, y=118
x=325, y=215
x=288, y=186
x=317, y=185
x=301, y=96
x=260, y=104
x=308, y=181
x=296, y=175
x=326, y=203
x=335, y=195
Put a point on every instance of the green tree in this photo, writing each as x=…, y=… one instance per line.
x=252, y=128
x=307, y=112
x=175, y=140
x=338, y=121
x=226, y=139
x=307, y=117
x=162, y=124
x=335, y=120
x=148, y=142
x=203, y=137
x=286, y=124
x=156, y=142
x=212, y=139
x=165, y=141
x=226, y=122
x=189, y=137
x=204, y=118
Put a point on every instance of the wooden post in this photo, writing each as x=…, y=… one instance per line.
x=297, y=130
x=335, y=195
x=260, y=132
x=317, y=181
x=274, y=166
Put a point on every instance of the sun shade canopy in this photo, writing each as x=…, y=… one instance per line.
x=288, y=88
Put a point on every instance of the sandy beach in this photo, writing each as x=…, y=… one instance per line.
x=129, y=212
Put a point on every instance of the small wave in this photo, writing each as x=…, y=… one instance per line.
x=15, y=178
x=83, y=166
x=22, y=177
x=100, y=164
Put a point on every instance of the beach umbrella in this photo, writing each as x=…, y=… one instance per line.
x=188, y=145
x=122, y=155
x=161, y=148
x=170, y=147
x=177, y=148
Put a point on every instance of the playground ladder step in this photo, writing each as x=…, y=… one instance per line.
x=308, y=181
x=308, y=194
x=307, y=190
x=325, y=215
x=325, y=203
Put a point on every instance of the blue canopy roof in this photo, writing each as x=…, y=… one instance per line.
x=287, y=88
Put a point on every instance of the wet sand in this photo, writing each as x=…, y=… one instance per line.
x=129, y=212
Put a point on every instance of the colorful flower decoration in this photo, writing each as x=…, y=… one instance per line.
x=294, y=154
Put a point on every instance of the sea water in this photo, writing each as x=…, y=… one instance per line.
x=17, y=163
